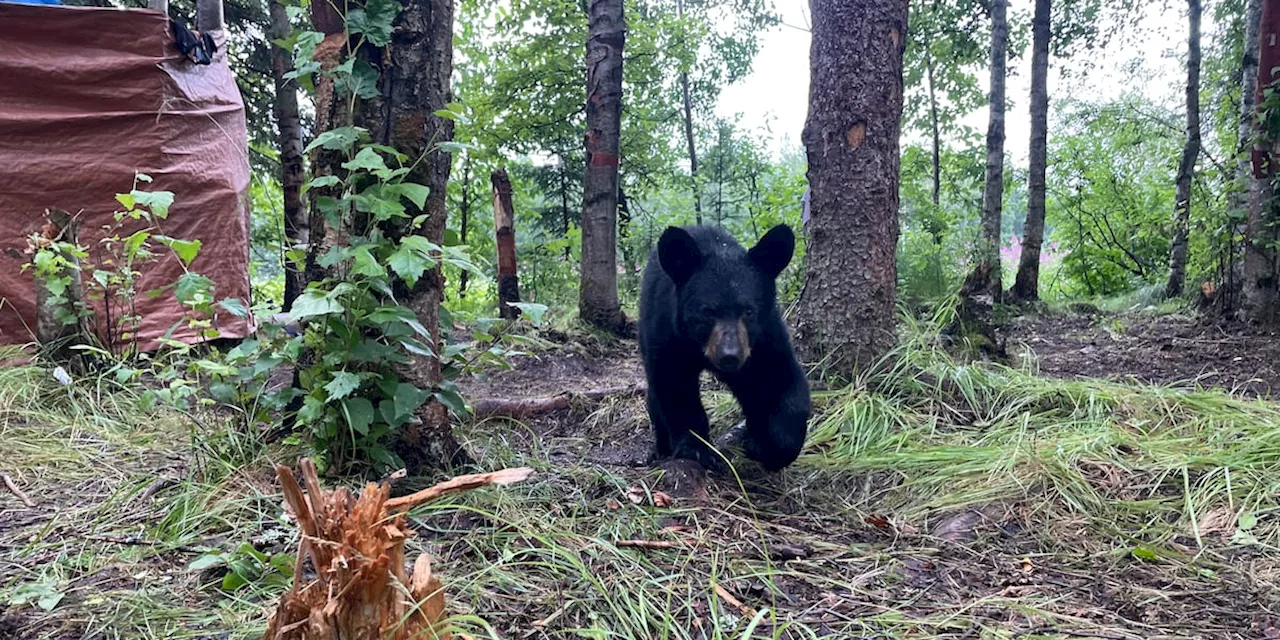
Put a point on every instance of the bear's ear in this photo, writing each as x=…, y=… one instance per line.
x=678, y=254
x=772, y=254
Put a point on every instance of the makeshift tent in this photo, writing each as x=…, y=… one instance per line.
x=88, y=97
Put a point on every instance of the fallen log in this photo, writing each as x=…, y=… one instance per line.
x=525, y=407
x=350, y=578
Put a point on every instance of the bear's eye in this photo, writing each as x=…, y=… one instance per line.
x=707, y=311
x=749, y=314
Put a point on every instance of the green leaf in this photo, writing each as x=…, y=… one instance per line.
x=323, y=181
x=343, y=383
x=408, y=398
x=235, y=307
x=366, y=160
x=314, y=302
x=191, y=287
x=134, y=243
x=208, y=561
x=1145, y=554
x=533, y=311
x=375, y=21
x=415, y=193
x=450, y=146
x=359, y=414
x=158, y=202
x=1248, y=520
x=451, y=238
x=362, y=81
x=416, y=348
x=450, y=397
x=48, y=601
x=409, y=264
x=186, y=249
x=366, y=264
x=340, y=139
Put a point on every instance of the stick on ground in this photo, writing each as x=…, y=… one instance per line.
x=17, y=491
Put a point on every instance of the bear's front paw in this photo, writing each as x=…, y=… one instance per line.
x=699, y=452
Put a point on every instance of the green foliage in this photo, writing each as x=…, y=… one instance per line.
x=247, y=567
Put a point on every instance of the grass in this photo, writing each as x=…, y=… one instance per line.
x=935, y=499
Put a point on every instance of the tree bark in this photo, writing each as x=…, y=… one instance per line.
x=936, y=191
x=1260, y=276
x=504, y=228
x=464, y=221
x=598, y=292
x=1187, y=165
x=985, y=278
x=688, y=134
x=846, y=313
x=1229, y=301
x=1026, y=285
x=413, y=84
x=289, y=138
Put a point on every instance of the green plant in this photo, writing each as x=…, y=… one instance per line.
x=246, y=566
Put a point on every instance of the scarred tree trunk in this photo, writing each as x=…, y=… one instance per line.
x=688, y=134
x=985, y=278
x=1026, y=285
x=413, y=83
x=504, y=229
x=289, y=138
x=846, y=309
x=1187, y=165
x=1260, y=277
x=598, y=292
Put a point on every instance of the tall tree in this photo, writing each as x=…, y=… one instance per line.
x=985, y=278
x=598, y=293
x=1260, y=268
x=504, y=229
x=687, y=101
x=846, y=309
x=413, y=84
x=1026, y=284
x=289, y=138
x=1187, y=165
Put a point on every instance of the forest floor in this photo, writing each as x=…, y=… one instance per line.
x=936, y=500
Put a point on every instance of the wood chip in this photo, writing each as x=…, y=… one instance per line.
x=747, y=612
x=648, y=544
x=13, y=487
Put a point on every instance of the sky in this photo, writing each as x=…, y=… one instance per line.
x=775, y=95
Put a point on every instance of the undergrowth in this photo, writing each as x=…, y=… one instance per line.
x=1099, y=510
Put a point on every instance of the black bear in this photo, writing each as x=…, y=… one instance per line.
x=707, y=303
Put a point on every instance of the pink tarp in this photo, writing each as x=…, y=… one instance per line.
x=88, y=96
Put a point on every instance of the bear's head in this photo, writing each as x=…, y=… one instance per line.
x=726, y=294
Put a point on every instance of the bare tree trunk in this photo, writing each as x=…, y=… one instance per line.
x=598, y=294
x=1187, y=166
x=1026, y=285
x=289, y=138
x=464, y=221
x=564, y=205
x=937, y=131
x=846, y=313
x=1239, y=200
x=1260, y=277
x=986, y=276
x=504, y=228
x=60, y=306
x=688, y=134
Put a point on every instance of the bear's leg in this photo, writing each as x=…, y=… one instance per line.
x=675, y=408
x=777, y=420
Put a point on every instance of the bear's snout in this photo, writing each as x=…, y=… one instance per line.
x=728, y=347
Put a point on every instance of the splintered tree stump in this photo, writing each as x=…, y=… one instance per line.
x=504, y=228
x=350, y=580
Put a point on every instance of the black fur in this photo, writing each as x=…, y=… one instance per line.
x=698, y=277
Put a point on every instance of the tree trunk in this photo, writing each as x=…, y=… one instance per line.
x=504, y=228
x=1229, y=297
x=598, y=293
x=986, y=276
x=60, y=302
x=846, y=312
x=464, y=221
x=289, y=138
x=936, y=192
x=688, y=133
x=1260, y=277
x=413, y=85
x=1187, y=166
x=1026, y=285
x=564, y=206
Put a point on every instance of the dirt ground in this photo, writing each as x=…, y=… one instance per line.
x=1167, y=349
x=811, y=544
